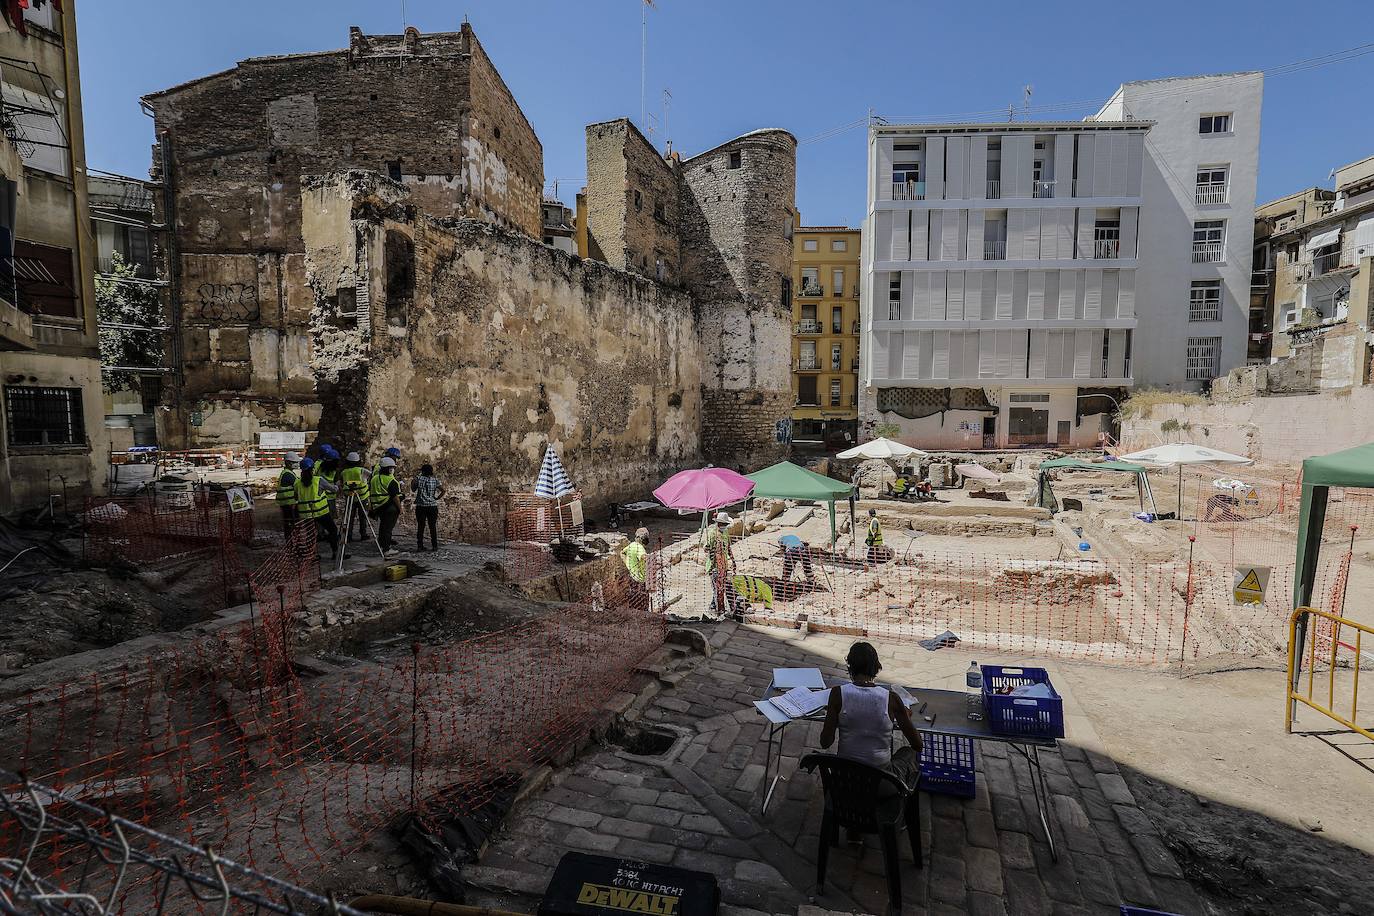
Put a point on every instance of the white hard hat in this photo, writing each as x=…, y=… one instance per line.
x=642, y=533
x=292, y=458
x=354, y=456
x=723, y=517
x=388, y=462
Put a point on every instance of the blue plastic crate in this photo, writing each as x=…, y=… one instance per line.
x=1036, y=717
x=947, y=765
x=1138, y=911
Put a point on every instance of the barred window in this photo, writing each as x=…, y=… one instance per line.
x=44, y=416
x=1204, y=301
x=1204, y=358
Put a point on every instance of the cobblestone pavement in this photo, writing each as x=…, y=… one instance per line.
x=699, y=806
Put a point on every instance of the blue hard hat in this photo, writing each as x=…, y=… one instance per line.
x=393, y=452
x=329, y=451
x=307, y=463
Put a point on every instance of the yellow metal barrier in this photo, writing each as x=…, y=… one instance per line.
x=1295, y=693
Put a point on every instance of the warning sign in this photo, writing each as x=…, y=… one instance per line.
x=1251, y=581
x=240, y=500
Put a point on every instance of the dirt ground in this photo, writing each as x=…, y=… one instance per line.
x=1236, y=798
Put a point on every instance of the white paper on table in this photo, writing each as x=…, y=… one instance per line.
x=787, y=678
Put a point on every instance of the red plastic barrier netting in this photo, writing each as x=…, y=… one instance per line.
x=220, y=742
x=143, y=529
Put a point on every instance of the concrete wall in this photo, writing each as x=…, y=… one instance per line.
x=504, y=345
x=1175, y=151
x=736, y=255
x=48, y=350
x=1272, y=429
x=430, y=108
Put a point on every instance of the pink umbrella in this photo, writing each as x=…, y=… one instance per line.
x=703, y=489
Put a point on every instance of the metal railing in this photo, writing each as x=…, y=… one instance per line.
x=994, y=189
x=812, y=403
x=1207, y=252
x=807, y=362
x=1259, y=279
x=836, y=365
x=1042, y=189
x=808, y=326
x=1325, y=627
x=854, y=364
x=856, y=328
x=1107, y=248
x=995, y=250
x=1207, y=194
x=837, y=327
x=812, y=289
x=908, y=190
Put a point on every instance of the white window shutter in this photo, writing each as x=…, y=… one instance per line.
x=971, y=351
x=1003, y=295
x=1083, y=353
x=1129, y=219
x=1092, y=294
x=973, y=294
x=956, y=167
x=987, y=354
x=1068, y=293
x=911, y=354
x=920, y=228
x=877, y=360
x=1116, y=354
x=1063, y=165
x=1037, y=353
x=954, y=296
x=1030, y=245
x=977, y=167
x=1084, y=184
x=939, y=365
x=1035, y=296
x=935, y=168
x=920, y=301
x=885, y=241
x=896, y=344
x=1125, y=300
x=975, y=235
x=936, y=309
x=1087, y=217
x=1014, y=221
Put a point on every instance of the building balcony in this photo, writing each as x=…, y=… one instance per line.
x=854, y=364
x=1042, y=189
x=1106, y=249
x=908, y=190
x=836, y=365
x=1207, y=252
x=1259, y=279
x=806, y=364
x=1208, y=195
x=995, y=250
x=813, y=290
x=807, y=326
x=994, y=189
x=837, y=328
x=16, y=327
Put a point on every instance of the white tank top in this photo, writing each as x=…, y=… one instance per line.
x=865, y=725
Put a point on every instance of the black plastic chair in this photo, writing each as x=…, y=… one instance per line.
x=864, y=799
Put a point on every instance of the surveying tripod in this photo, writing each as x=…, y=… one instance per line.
x=353, y=501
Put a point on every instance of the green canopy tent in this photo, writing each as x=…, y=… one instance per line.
x=1353, y=467
x=1044, y=495
x=786, y=480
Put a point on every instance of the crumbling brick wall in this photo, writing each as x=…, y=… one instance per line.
x=430, y=110
x=502, y=346
x=632, y=202
x=736, y=204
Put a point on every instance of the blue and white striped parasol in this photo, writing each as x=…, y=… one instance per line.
x=553, y=481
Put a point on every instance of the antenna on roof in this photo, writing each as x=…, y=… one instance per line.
x=1011, y=113
x=1026, y=92
x=667, y=103
x=404, y=21
x=644, y=59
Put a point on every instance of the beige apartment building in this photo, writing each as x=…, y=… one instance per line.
x=52, y=435
x=825, y=335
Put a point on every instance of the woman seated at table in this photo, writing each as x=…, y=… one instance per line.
x=863, y=713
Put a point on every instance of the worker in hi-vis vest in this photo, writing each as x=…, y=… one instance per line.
x=286, y=491
x=312, y=503
x=635, y=556
x=384, y=499
x=353, y=481
x=874, y=540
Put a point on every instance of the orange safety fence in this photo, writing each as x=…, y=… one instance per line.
x=223, y=742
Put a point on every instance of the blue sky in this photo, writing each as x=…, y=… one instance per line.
x=808, y=66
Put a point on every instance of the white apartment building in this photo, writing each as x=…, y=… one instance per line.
x=1019, y=278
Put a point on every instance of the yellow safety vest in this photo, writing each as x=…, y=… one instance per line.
x=899, y=485
x=636, y=560
x=310, y=499
x=286, y=490
x=332, y=477
x=377, y=489
x=875, y=534
x=353, y=480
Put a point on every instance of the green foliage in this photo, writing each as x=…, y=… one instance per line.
x=887, y=431
x=118, y=301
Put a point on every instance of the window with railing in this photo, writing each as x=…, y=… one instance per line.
x=806, y=356
x=835, y=392
x=1204, y=358
x=1042, y=189
x=994, y=249
x=811, y=282
x=1209, y=236
x=1107, y=238
x=994, y=189
x=1211, y=186
x=894, y=297
x=837, y=320
x=1204, y=300
x=809, y=326
x=906, y=181
x=836, y=357
x=837, y=282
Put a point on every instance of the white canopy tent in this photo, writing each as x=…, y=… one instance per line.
x=1177, y=454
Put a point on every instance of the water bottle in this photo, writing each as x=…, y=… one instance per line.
x=974, y=678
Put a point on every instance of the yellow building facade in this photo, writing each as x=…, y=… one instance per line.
x=825, y=335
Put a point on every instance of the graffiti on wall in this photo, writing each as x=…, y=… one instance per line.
x=228, y=302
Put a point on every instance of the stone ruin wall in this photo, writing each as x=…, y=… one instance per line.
x=490, y=345
x=432, y=107
x=736, y=255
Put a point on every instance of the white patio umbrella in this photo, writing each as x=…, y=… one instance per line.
x=881, y=448
x=1177, y=454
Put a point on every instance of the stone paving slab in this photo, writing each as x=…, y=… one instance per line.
x=699, y=807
